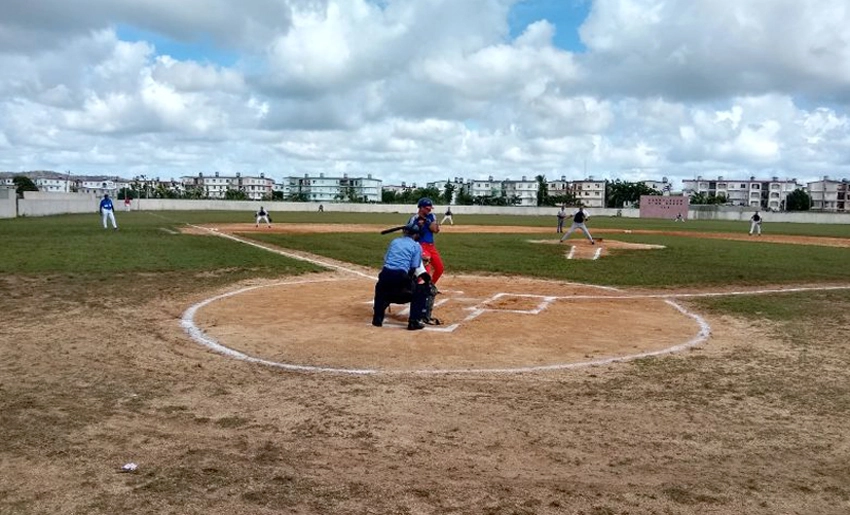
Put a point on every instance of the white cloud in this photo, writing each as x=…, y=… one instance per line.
x=417, y=90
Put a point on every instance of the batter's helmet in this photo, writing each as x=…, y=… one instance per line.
x=425, y=202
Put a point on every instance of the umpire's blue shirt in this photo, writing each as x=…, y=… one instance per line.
x=403, y=254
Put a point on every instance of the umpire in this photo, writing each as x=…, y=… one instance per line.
x=398, y=280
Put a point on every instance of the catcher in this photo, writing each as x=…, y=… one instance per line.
x=403, y=279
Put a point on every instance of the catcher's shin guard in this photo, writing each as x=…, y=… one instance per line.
x=429, y=305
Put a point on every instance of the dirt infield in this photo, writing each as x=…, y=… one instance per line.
x=488, y=324
x=285, y=228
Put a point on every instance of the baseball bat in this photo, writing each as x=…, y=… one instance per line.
x=392, y=229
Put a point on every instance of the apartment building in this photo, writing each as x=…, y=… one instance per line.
x=53, y=182
x=830, y=195
x=483, y=187
x=330, y=189
x=558, y=187
x=456, y=183
x=525, y=190
x=589, y=192
x=664, y=186
x=99, y=185
x=217, y=185
x=752, y=192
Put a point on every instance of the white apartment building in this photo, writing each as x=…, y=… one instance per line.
x=558, y=187
x=98, y=185
x=830, y=195
x=55, y=184
x=483, y=187
x=752, y=192
x=589, y=192
x=216, y=186
x=457, y=184
x=330, y=189
x=524, y=189
x=663, y=186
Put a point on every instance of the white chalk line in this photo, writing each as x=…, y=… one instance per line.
x=197, y=334
x=334, y=266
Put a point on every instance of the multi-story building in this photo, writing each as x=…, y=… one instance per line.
x=663, y=186
x=558, y=187
x=830, y=195
x=217, y=185
x=329, y=189
x=752, y=192
x=53, y=182
x=483, y=187
x=98, y=185
x=589, y=192
x=525, y=190
x=456, y=184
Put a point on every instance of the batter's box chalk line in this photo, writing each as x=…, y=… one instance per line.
x=197, y=334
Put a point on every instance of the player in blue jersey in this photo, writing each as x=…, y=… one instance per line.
x=107, y=211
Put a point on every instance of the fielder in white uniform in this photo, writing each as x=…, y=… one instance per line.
x=107, y=211
x=579, y=217
x=263, y=216
x=755, y=224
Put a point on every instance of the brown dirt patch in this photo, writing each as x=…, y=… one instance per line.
x=489, y=323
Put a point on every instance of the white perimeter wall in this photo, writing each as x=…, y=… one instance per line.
x=8, y=203
x=45, y=204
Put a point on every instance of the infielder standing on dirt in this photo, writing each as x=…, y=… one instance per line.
x=755, y=224
x=398, y=282
x=428, y=227
x=263, y=215
x=448, y=217
x=107, y=211
x=562, y=215
x=579, y=218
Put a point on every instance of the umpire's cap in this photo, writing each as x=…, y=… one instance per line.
x=425, y=202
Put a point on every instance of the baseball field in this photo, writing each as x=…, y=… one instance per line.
x=669, y=369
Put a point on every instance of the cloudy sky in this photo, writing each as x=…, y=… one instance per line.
x=423, y=90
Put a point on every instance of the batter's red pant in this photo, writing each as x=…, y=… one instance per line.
x=436, y=261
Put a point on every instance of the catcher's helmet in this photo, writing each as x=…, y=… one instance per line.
x=411, y=228
x=425, y=202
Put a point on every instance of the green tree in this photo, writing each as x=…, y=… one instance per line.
x=23, y=183
x=463, y=198
x=542, y=191
x=388, y=197
x=704, y=198
x=620, y=193
x=297, y=196
x=231, y=194
x=798, y=200
x=448, y=193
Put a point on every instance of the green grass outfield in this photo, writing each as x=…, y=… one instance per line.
x=149, y=242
